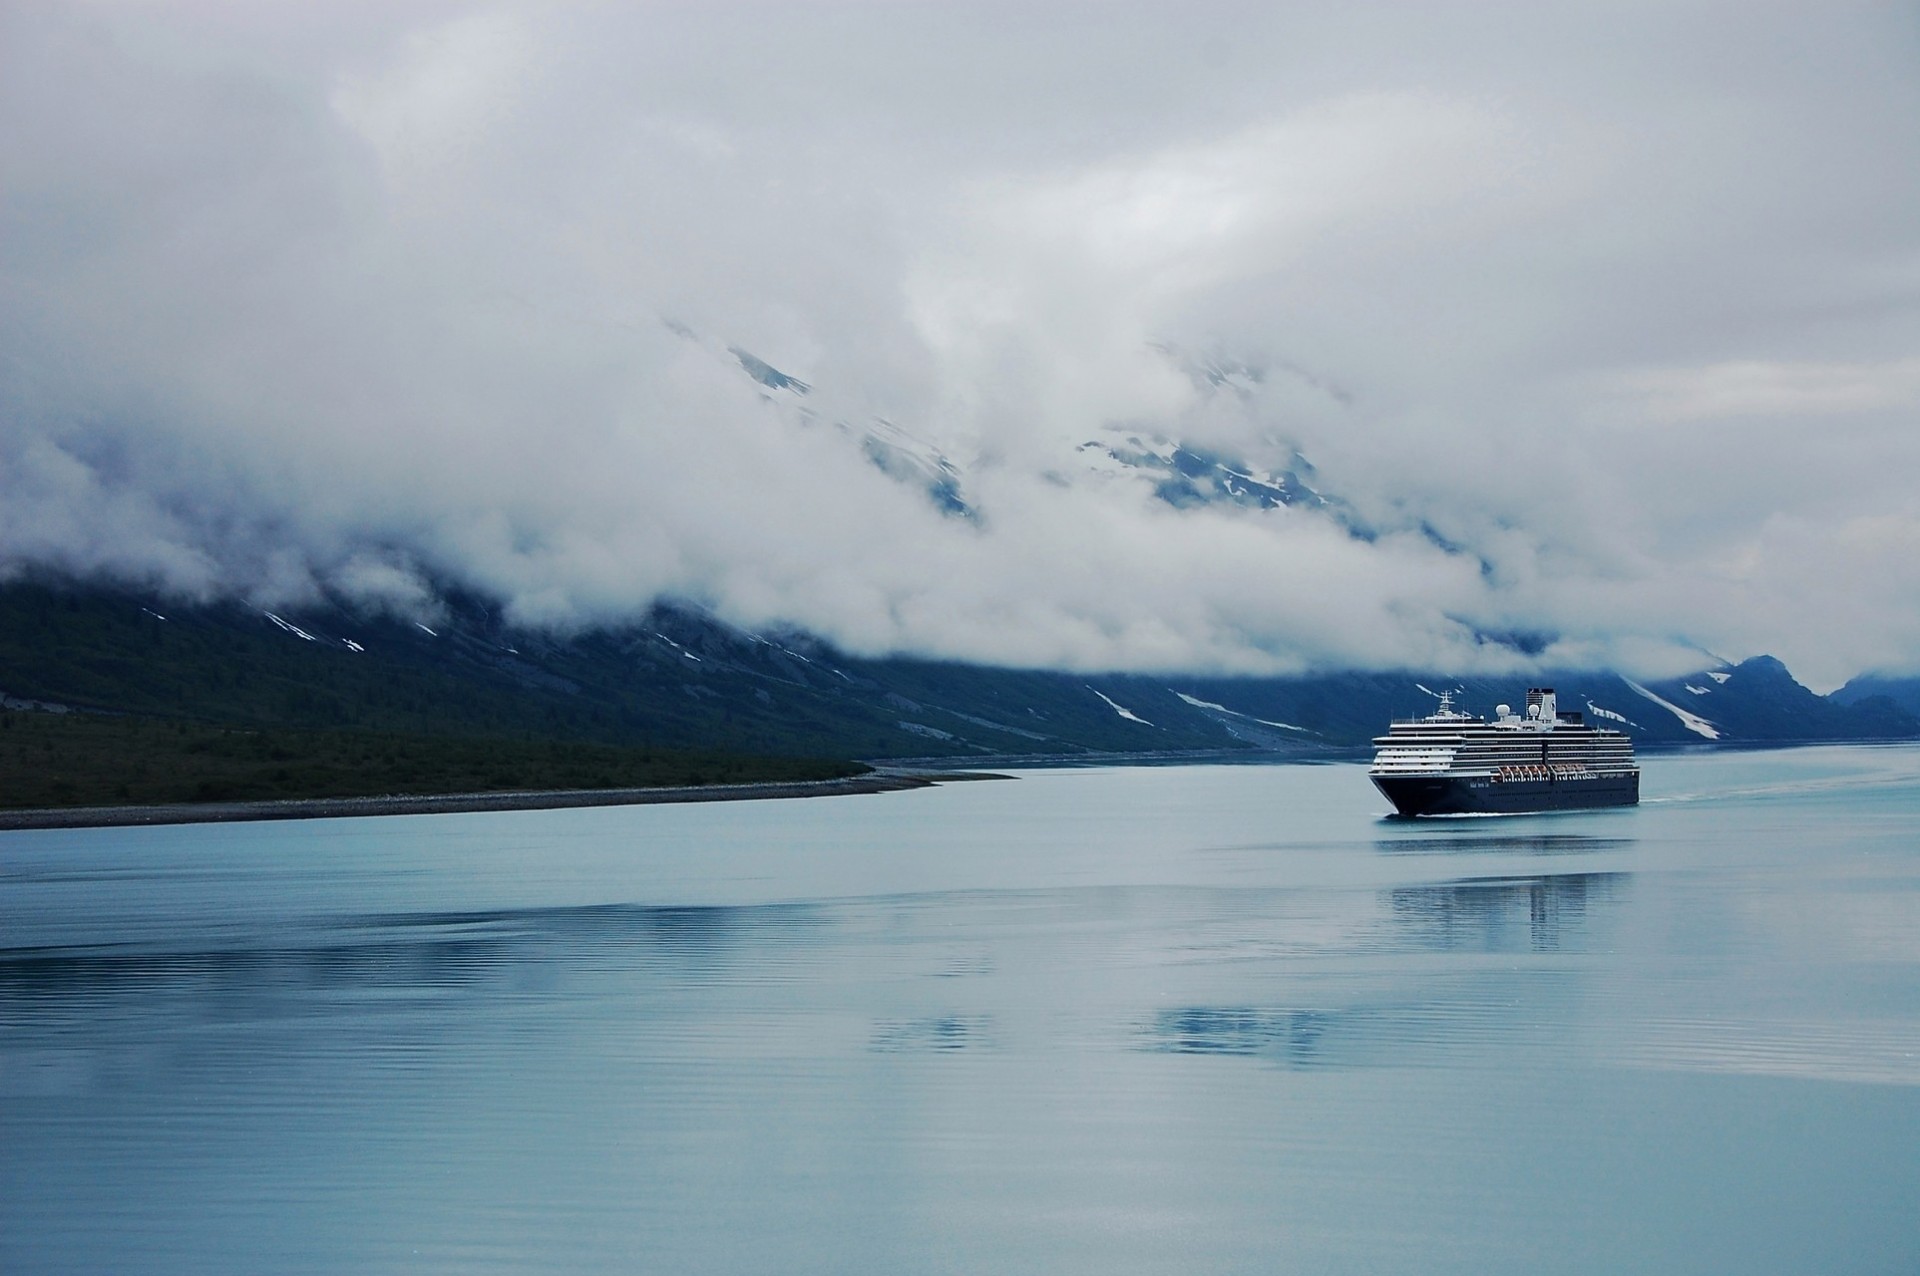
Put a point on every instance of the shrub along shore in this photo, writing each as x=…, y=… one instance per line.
x=443, y=803
x=91, y=765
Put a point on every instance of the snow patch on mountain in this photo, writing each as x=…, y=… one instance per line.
x=1122, y=710
x=1691, y=721
x=287, y=626
x=894, y=451
x=908, y=459
x=1198, y=703
x=1182, y=472
x=1185, y=475
x=766, y=374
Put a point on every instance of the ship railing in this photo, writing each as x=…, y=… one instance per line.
x=1555, y=771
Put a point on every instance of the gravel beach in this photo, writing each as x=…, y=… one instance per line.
x=441, y=803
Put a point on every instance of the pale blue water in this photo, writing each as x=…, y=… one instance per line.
x=1209, y=1019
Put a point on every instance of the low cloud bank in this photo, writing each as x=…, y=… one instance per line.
x=1600, y=341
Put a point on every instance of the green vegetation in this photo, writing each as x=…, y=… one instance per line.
x=676, y=680
x=84, y=759
x=101, y=649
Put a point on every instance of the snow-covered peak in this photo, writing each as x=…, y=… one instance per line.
x=911, y=459
x=894, y=451
x=1212, y=372
x=766, y=374
x=1188, y=475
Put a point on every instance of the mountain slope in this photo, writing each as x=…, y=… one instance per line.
x=678, y=680
x=684, y=680
x=1902, y=693
x=1756, y=701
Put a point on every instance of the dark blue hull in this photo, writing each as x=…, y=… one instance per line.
x=1485, y=795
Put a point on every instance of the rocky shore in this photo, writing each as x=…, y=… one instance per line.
x=443, y=803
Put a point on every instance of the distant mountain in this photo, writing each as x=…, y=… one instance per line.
x=759, y=369
x=1183, y=473
x=1754, y=701
x=1184, y=476
x=684, y=679
x=914, y=461
x=1759, y=700
x=1901, y=693
x=893, y=450
x=1186, y=473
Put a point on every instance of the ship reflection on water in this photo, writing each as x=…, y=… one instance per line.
x=1440, y=841
x=1452, y=1009
x=1541, y=914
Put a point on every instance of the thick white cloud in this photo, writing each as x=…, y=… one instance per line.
x=1604, y=324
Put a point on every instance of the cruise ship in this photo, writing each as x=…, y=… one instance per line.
x=1454, y=763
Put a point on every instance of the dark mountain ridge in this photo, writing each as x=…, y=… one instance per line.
x=682, y=679
x=1902, y=693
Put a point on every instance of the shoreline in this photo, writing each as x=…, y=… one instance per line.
x=924, y=773
x=75, y=817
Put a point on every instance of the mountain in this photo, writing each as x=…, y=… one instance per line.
x=1901, y=693
x=683, y=679
x=1758, y=699
x=680, y=679
x=1755, y=701
x=893, y=450
x=911, y=460
x=1185, y=476
x=1181, y=472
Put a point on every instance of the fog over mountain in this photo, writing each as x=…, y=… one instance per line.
x=1591, y=331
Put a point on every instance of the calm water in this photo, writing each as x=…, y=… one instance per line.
x=1210, y=1019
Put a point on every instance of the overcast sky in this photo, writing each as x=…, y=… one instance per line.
x=1602, y=320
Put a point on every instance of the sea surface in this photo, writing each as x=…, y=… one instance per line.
x=1179, y=1020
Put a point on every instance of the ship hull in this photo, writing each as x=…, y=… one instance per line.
x=1484, y=795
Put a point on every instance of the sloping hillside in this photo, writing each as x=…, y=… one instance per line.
x=683, y=680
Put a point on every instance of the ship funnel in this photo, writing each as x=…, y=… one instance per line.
x=1542, y=704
